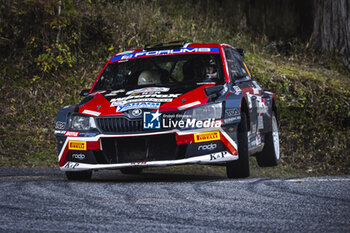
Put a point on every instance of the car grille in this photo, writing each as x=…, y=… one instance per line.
x=125, y=125
x=113, y=124
x=140, y=149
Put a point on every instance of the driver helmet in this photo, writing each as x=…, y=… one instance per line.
x=148, y=77
x=211, y=71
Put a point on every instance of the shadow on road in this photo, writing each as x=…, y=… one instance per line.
x=151, y=176
x=54, y=174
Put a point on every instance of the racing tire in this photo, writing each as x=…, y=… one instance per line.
x=270, y=155
x=81, y=175
x=240, y=168
x=131, y=170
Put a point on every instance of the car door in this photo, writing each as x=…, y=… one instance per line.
x=242, y=80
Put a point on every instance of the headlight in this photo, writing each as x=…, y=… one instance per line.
x=81, y=122
x=210, y=111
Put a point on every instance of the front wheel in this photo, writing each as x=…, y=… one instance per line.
x=81, y=175
x=240, y=168
x=270, y=155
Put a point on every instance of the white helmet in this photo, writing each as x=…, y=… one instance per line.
x=211, y=70
x=148, y=77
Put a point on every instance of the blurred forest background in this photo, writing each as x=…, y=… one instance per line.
x=50, y=50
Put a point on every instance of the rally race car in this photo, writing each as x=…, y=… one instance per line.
x=170, y=104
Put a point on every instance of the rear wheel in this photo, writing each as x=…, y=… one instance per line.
x=240, y=168
x=270, y=155
x=131, y=170
x=81, y=175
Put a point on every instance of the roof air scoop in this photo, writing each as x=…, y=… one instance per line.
x=167, y=45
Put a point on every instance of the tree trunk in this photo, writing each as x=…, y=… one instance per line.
x=332, y=27
x=59, y=27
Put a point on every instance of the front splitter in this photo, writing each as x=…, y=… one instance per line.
x=214, y=158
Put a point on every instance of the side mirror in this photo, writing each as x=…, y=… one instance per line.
x=213, y=91
x=242, y=79
x=240, y=51
x=84, y=92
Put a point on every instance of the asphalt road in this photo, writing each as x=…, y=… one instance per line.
x=43, y=200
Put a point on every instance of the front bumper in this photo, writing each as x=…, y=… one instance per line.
x=174, y=147
x=214, y=158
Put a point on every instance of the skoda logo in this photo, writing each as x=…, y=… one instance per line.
x=136, y=112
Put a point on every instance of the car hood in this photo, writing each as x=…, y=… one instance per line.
x=124, y=101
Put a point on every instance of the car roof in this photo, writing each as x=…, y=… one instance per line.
x=176, y=47
x=180, y=44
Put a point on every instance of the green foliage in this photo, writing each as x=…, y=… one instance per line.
x=49, y=61
x=313, y=111
x=47, y=57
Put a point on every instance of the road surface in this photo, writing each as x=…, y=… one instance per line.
x=43, y=200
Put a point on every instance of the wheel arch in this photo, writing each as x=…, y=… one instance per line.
x=245, y=109
x=274, y=108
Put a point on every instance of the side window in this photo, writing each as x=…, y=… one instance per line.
x=231, y=64
x=244, y=72
x=235, y=66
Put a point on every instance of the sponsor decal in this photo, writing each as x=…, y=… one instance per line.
x=253, y=128
x=207, y=136
x=76, y=145
x=71, y=134
x=258, y=139
x=232, y=119
x=113, y=93
x=260, y=122
x=262, y=108
x=255, y=90
x=232, y=112
x=60, y=125
x=254, y=141
x=71, y=165
x=148, y=90
x=158, y=98
x=211, y=146
x=190, y=105
x=148, y=105
x=125, y=52
x=203, y=83
x=60, y=132
x=92, y=113
x=138, y=163
x=165, y=52
x=136, y=112
x=237, y=89
x=78, y=156
x=218, y=155
x=124, y=102
x=151, y=120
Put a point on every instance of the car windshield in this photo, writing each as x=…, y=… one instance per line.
x=161, y=70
